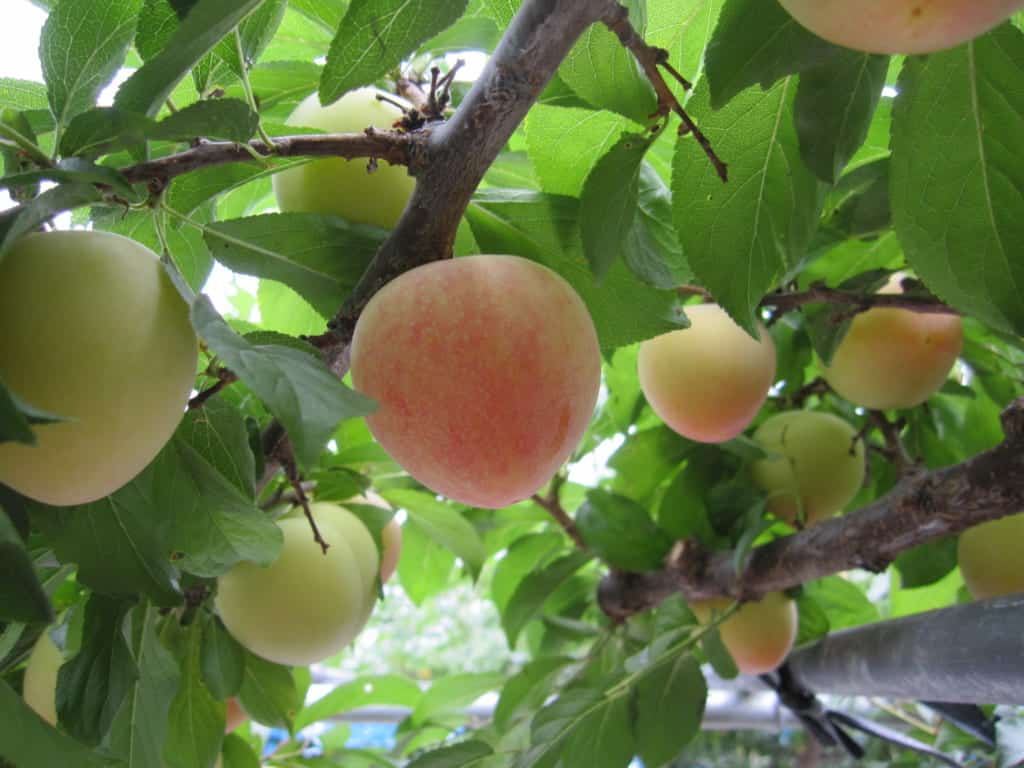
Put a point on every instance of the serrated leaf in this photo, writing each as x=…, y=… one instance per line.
x=376, y=35
x=208, y=21
x=320, y=257
x=22, y=598
x=217, y=432
x=605, y=74
x=621, y=533
x=269, y=693
x=529, y=597
x=82, y=45
x=464, y=755
x=956, y=198
x=545, y=228
x=227, y=119
x=195, y=721
x=608, y=202
x=297, y=388
x=741, y=238
x=393, y=690
x=758, y=42
x=22, y=95
x=442, y=523
x=27, y=739
x=679, y=688
x=104, y=129
x=835, y=103
x=652, y=249
x=93, y=684
x=683, y=28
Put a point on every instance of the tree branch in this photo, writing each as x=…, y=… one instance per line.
x=820, y=294
x=924, y=506
x=392, y=146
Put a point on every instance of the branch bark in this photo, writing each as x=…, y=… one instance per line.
x=820, y=294
x=924, y=506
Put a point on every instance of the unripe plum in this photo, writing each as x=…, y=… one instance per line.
x=486, y=370
x=894, y=358
x=344, y=187
x=39, y=688
x=392, y=540
x=93, y=331
x=900, y=26
x=708, y=381
x=759, y=635
x=989, y=556
x=814, y=468
x=307, y=605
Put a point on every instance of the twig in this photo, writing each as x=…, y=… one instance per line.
x=224, y=378
x=283, y=495
x=816, y=386
x=894, y=449
x=553, y=505
x=291, y=471
x=820, y=294
x=650, y=58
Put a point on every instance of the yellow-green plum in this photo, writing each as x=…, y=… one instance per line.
x=307, y=605
x=759, y=635
x=708, y=381
x=894, y=358
x=344, y=187
x=814, y=468
x=486, y=371
x=392, y=540
x=900, y=26
x=39, y=688
x=95, y=332
x=989, y=556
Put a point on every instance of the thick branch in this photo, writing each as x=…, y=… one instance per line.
x=396, y=148
x=923, y=507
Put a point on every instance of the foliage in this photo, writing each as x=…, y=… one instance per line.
x=832, y=181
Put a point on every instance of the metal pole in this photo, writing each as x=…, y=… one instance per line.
x=970, y=654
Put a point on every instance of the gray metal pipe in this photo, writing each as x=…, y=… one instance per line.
x=970, y=654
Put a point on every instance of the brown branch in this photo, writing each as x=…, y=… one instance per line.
x=553, y=505
x=820, y=294
x=923, y=506
x=650, y=58
x=286, y=459
x=392, y=146
x=224, y=378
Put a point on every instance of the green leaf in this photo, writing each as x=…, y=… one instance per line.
x=221, y=659
x=17, y=418
x=813, y=621
x=651, y=248
x=22, y=95
x=525, y=692
x=621, y=533
x=582, y=729
x=718, y=655
x=103, y=130
x=217, y=432
x=73, y=169
x=956, y=198
x=683, y=512
x=451, y=694
x=467, y=753
x=138, y=732
x=528, y=600
x=286, y=314
x=25, y=218
x=683, y=28
x=442, y=523
x=26, y=739
x=22, y=597
x=299, y=389
x=608, y=202
x=545, y=228
x=195, y=724
x=92, y=686
x=741, y=238
x=376, y=35
x=82, y=45
x=844, y=603
x=926, y=563
x=326, y=13
x=320, y=257
x=835, y=103
x=679, y=688
x=605, y=74
x=393, y=690
x=645, y=459
x=237, y=753
x=269, y=693
x=207, y=22
x=525, y=555
x=227, y=119
x=425, y=566
x=758, y=42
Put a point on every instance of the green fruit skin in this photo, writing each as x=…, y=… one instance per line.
x=900, y=26
x=39, y=688
x=307, y=605
x=759, y=635
x=344, y=187
x=94, y=331
x=816, y=468
x=989, y=556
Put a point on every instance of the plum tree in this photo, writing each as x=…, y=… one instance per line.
x=900, y=26
x=343, y=187
x=916, y=351
x=307, y=605
x=708, y=381
x=486, y=370
x=39, y=688
x=989, y=556
x=815, y=465
x=759, y=635
x=95, y=332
